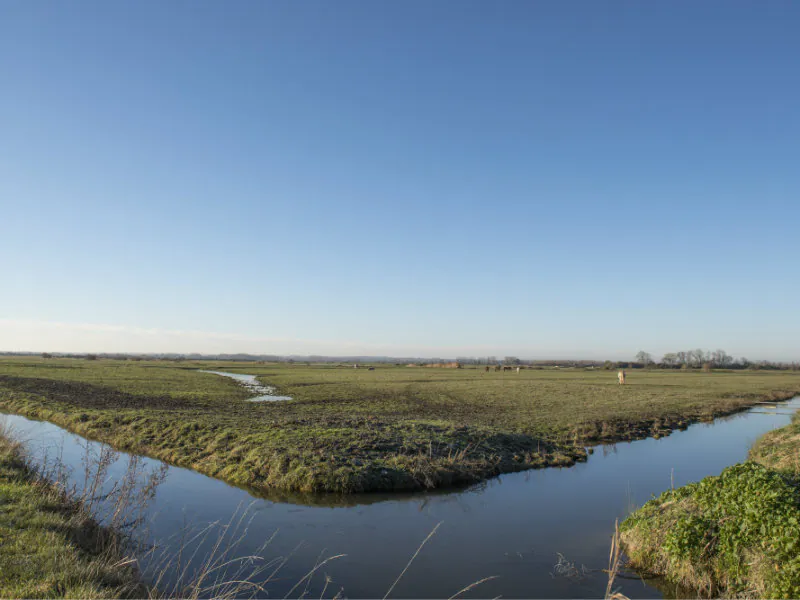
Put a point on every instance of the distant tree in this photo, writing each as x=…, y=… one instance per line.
x=670, y=360
x=608, y=365
x=91, y=357
x=46, y=355
x=683, y=358
x=707, y=367
x=722, y=359
x=644, y=357
x=697, y=357
x=511, y=360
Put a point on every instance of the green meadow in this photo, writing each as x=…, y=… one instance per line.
x=358, y=430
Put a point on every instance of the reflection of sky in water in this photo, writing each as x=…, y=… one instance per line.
x=511, y=526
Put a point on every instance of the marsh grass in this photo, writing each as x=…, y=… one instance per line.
x=209, y=562
x=90, y=540
x=615, y=563
x=51, y=547
x=348, y=430
x=98, y=546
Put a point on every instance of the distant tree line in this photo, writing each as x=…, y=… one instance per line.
x=516, y=361
x=700, y=359
x=688, y=359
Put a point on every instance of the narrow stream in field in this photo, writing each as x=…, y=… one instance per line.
x=264, y=393
x=515, y=527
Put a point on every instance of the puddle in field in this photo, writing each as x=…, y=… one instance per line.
x=264, y=392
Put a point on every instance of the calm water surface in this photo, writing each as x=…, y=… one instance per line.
x=513, y=526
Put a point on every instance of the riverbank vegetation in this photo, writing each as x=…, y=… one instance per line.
x=354, y=430
x=50, y=547
x=737, y=534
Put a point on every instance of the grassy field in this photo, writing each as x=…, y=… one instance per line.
x=348, y=430
x=49, y=548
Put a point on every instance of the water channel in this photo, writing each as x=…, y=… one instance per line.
x=515, y=527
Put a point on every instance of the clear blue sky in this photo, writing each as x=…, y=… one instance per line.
x=544, y=179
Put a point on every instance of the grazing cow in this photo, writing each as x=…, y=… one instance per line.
x=487, y=368
x=621, y=377
x=506, y=369
x=497, y=368
x=371, y=369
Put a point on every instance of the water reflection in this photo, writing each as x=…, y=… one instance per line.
x=516, y=527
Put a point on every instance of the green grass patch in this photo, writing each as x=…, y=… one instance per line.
x=736, y=534
x=48, y=547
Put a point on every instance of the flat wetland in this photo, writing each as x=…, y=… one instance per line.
x=358, y=430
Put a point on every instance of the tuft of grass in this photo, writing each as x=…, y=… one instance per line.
x=353, y=430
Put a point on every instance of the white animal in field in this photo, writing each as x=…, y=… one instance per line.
x=517, y=369
x=621, y=377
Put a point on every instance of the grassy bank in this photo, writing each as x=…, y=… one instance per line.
x=348, y=430
x=734, y=535
x=779, y=449
x=49, y=548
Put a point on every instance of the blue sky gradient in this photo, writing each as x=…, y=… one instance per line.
x=544, y=179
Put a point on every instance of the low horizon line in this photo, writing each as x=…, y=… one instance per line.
x=342, y=357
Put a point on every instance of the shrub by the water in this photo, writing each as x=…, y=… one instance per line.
x=737, y=534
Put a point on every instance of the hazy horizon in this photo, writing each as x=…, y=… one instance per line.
x=545, y=179
x=20, y=336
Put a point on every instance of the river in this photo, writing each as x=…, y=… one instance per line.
x=514, y=527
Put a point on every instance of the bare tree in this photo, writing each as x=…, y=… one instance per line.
x=698, y=357
x=644, y=357
x=670, y=359
x=720, y=358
